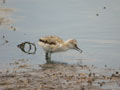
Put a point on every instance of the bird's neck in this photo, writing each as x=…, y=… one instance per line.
x=65, y=46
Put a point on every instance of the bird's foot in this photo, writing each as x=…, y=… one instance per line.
x=50, y=62
x=55, y=62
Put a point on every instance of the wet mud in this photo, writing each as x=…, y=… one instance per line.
x=24, y=76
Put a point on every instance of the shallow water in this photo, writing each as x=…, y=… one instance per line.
x=96, y=29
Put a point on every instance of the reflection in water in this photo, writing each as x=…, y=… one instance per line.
x=3, y=1
x=32, y=47
x=80, y=62
x=52, y=65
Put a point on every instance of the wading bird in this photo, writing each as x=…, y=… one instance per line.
x=52, y=44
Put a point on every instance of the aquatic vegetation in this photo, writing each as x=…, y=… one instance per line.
x=22, y=47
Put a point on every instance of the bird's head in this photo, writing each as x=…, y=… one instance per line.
x=72, y=44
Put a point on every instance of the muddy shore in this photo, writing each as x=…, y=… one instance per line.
x=23, y=76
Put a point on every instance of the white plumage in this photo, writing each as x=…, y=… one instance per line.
x=52, y=44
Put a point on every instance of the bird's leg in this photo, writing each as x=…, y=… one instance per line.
x=48, y=57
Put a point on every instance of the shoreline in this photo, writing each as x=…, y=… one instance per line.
x=58, y=77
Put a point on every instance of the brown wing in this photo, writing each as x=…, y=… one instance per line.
x=52, y=40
